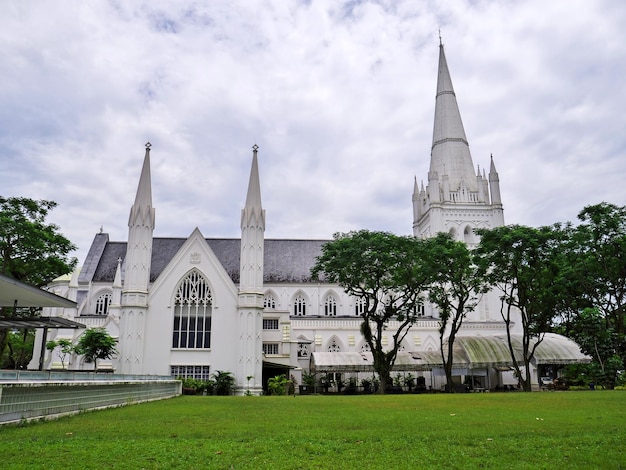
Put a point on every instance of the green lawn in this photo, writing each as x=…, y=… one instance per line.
x=549, y=430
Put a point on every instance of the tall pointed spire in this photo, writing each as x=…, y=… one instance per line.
x=142, y=208
x=457, y=197
x=253, y=213
x=252, y=229
x=450, y=154
x=494, y=184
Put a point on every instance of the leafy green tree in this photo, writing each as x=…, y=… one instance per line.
x=523, y=262
x=96, y=343
x=456, y=287
x=597, y=267
x=589, y=329
x=224, y=382
x=19, y=348
x=31, y=250
x=65, y=348
x=386, y=273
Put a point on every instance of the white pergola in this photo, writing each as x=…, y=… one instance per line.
x=14, y=293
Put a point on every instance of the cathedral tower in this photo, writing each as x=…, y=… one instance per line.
x=250, y=309
x=457, y=199
x=137, y=275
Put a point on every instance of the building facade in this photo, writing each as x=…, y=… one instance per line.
x=189, y=306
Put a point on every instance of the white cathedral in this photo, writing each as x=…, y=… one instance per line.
x=190, y=306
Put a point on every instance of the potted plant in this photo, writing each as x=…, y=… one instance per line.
x=224, y=382
x=351, y=388
x=308, y=383
x=278, y=385
x=409, y=381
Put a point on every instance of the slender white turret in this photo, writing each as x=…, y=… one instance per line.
x=250, y=310
x=141, y=222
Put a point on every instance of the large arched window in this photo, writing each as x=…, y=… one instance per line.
x=192, y=313
x=299, y=305
x=330, y=305
x=102, y=304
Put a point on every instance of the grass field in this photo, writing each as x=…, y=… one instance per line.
x=548, y=430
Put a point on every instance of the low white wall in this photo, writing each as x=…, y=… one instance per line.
x=20, y=401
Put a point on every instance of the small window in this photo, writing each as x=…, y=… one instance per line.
x=270, y=348
x=269, y=302
x=334, y=346
x=190, y=372
x=270, y=323
x=330, y=306
x=420, y=310
x=102, y=304
x=299, y=305
x=359, y=306
x=303, y=349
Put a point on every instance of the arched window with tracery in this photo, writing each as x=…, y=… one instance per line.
x=334, y=346
x=330, y=305
x=269, y=301
x=102, y=304
x=303, y=350
x=299, y=305
x=193, y=306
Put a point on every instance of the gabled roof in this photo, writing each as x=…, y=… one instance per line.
x=284, y=260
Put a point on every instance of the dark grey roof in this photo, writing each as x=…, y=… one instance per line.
x=284, y=260
x=290, y=260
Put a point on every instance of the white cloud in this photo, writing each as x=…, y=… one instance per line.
x=338, y=95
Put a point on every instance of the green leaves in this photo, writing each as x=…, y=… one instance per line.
x=96, y=343
x=32, y=251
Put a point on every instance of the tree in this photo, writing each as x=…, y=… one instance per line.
x=456, y=287
x=523, y=262
x=65, y=348
x=31, y=250
x=386, y=273
x=96, y=343
x=590, y=331
x=597, y=257
x=19, y=348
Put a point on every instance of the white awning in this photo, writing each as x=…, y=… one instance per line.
x=16, y=293
x=471, y=353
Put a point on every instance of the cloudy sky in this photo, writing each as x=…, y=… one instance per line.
x=339, y=96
